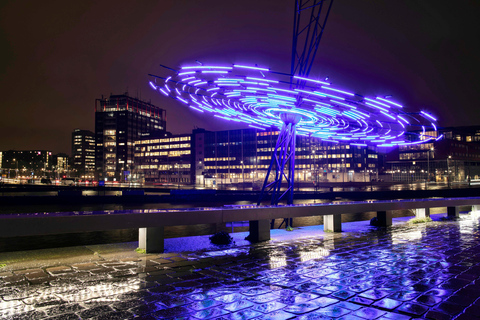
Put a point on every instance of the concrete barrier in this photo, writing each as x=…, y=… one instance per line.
x=153, y=221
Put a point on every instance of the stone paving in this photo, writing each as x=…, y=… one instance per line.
x=428, y=271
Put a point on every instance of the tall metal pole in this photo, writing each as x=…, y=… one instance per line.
x=428, y=169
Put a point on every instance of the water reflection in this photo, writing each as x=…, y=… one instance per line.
x=409, y=269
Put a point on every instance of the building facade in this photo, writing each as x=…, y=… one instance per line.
x=245, y=155
x=165, y=159
x=210, y=158
x=453, y=156
x=83, y=154
x=61, y=166
x=27, y=164
x=120, y=120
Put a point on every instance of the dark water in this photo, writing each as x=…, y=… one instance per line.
x=113, y=236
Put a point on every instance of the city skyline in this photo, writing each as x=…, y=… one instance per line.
x=59, y=59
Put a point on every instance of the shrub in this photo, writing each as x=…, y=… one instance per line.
x=221, y=238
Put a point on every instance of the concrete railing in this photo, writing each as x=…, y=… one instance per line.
x=152, y=222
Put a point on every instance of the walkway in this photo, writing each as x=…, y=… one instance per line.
x=407, y=271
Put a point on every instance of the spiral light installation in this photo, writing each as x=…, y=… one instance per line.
x=263, y=98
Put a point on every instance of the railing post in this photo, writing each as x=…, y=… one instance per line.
x=453, y=212
x=332, y=223
x=384, y=218
x=259, y=230
x=422, y=213
x=151, y=239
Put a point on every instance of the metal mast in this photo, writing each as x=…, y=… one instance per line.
x=310, y=17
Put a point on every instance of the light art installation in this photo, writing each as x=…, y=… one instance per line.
x=295, y=102
x=263, y=98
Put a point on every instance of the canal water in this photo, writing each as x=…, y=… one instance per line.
x=126, y=235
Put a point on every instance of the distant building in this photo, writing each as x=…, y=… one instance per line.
x=27, y=163
x=453, y=156
x=61, y=166
x=234, y=156
x=120, y=120
x=165, y=158
x=245, y=155
x=83, y=154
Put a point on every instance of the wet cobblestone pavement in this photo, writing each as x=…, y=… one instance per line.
x=428, y=271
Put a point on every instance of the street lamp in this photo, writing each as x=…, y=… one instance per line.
x=448, y=170
x=243, y=177
x=178, y=175
x=428, y=167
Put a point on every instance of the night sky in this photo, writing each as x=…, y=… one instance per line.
x=57, y=57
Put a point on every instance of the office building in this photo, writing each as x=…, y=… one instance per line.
x=210, y=158
x=120, y=120
x=165, y=158
x=452, y=156
x=27, y=164
x=83, y=154
x=61, y=167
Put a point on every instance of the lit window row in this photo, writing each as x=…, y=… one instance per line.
x=221, y=159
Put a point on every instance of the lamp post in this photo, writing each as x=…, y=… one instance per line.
x=448, y=171
x=314, y=171
x=428, y=167
x=178, y=175
x=243, y=177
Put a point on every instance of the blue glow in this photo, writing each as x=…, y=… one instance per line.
x=264, y=80
x=249, y=67
x=206, y=67
x=391, y=102
x=190, y=106
x=440, y=137
x=287, y=91
x=214, y=71
x=344, y=104
x=391, y=117
x=401, y=118
x=378, y=103
x=378, y=107
x=187, y=72
x=154, y=87
x=184, y=101
x=328, y=95
x=428, y=115
x=251, y=125
x=360, y=113
x=229, y=84
x=434, y=126
x=259, y=101
x=311, y=80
